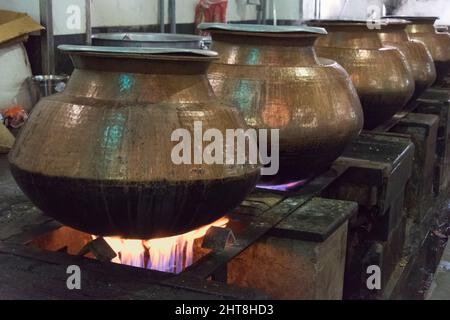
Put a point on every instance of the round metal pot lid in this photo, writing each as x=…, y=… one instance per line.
x=135, y=51
x=257, y=28
x=147, y=37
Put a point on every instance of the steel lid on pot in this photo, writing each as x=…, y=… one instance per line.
x=153, y=40
x=260, y=29
x=140, y=60
x=136, y=51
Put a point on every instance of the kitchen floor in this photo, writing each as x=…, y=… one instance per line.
x=440, y=289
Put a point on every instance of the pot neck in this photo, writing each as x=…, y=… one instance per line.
x=158, y=65
x=265, y=49
x=358, y=36
x=425, y=27
x=137, y=88
x=395, y=35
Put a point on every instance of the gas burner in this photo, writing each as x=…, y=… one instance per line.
x=169, y=255
x=285, y=187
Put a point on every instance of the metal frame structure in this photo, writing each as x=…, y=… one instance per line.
x=161, y=16
x=88, y=22
x=48, y=42
x=173, y=16
x=47, y=37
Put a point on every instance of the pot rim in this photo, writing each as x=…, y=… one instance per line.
x=340, y=22
x=50, y=77
x=261, y=30
x=396, y=21
x=147, y=37
x=384, y=22
x=141, y=53
x=413, y=19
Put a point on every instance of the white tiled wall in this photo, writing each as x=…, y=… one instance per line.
x=31, y=7
x=143, y=12
x=122, y=12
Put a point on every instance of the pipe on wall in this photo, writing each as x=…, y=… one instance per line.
x=300, y=13
x=318, y=8
x=161, y=15
x=88, y=23
x=47, y=37
x=264, y=11
x=172, y=16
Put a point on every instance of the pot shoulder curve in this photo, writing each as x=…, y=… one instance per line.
x=126, y=142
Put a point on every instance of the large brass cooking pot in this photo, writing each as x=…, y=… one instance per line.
x=274, y=77
x=393, y=34
x=97, y=157
x=422, y=29
x=382, y=76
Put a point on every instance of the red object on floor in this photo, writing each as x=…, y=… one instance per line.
x=15, y=117
x=210, y=11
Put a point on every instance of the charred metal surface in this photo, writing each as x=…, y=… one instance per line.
x=316, y=221
x=437, y=102
x=31, y=274
x=258, y=215
x=17, y=213
x=440, y=289
x=218, y=238
x=381, y=168
x=255, y=227
x=385, y=254
x=35, y=274
x=388, y=125
x=294, y=269
x=381, y=165
x=423, y=130
x=412, y=277
x=100, y=249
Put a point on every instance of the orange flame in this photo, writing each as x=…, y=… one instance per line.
x=171, y=255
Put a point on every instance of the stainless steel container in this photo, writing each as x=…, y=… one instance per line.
x=154, y=40
x=45, y=85
x=441, y=28
x=50, y=84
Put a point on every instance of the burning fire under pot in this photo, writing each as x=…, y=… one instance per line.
x=169, y=255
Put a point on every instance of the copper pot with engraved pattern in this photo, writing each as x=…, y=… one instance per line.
x=382, y=76
x=393, y=34
x=438, y=42
x=273, y=76
x=98, y=157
